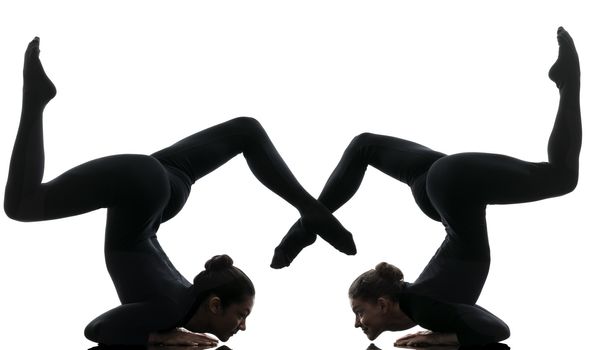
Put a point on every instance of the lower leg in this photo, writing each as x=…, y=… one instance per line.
x=564, y=144
x=23, y=186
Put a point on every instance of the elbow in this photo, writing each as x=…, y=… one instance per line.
x=11, y=211
x=496, y=334
x=489, y=334
x=92, y=331
x=503, y=332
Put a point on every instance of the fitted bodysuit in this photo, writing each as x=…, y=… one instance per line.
x=454, y=190
x=140, y=192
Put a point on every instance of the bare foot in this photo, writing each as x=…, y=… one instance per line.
x=37, y=87
x=565, y=71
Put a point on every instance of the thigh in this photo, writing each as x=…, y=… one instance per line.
x=199, y=154
x=131, y=183
x=484, y=178
x=401, y=159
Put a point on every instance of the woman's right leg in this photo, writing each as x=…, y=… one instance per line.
x=403, y=160
x=107, y=182
x=21, y=199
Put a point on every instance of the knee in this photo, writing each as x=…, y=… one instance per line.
x=14, y=210
x=569, y=181
x=11, y=210
x=502, y=332
x=560, y=180
x=361, y=141
x=91, y=332
x=247, y=125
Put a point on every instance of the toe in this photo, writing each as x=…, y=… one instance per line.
x=279, y=260
x=352, y=250
x=35, y=42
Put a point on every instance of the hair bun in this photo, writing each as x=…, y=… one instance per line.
x=388, y=271
x=219, y=262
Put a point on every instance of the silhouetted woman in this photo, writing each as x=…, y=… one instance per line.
x=453, y=189
x=140, y=192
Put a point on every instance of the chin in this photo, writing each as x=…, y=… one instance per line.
x=371, y=336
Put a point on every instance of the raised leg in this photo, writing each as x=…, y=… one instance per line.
x=28, y=157
x=203, y=152
x=460, y=186
x=497, y=179
x=101, y=183
x=403, y=160
x=564, y=144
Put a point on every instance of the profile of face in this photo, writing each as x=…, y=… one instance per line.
x=226, y=320
x=371, y=316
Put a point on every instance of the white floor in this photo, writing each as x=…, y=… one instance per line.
x=136, y=76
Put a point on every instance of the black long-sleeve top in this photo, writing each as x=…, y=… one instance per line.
x=443, y=297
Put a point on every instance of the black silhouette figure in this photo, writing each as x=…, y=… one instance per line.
x=141, y=192
x=455, y=190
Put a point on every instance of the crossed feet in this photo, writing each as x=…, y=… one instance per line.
x=38, y=89
x=565, y=72
x=304, y=232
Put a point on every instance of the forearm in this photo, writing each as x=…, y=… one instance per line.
x=470, y=324
x=132, y=324
x=480, y=327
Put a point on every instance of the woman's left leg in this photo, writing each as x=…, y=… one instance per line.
x=205, y=151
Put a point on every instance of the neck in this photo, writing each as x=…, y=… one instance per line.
x=199, y=322
x=400, y=321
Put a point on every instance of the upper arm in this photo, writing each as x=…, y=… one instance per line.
x=472, y=324
x=131, y=324
x=476, y=324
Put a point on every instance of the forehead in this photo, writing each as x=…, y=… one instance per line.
x=247, y=304
x=357, y=303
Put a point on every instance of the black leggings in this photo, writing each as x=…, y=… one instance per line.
x=455, y=189
x=139, y=190
x=450, y=188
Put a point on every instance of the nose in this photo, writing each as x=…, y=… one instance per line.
x=242, y=325
x=357, y=322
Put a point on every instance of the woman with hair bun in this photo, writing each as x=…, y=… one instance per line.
x=455, y=190
x=141, y=192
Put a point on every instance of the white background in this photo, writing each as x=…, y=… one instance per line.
x=135, y=76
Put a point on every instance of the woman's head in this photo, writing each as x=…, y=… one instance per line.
x=224, y=297
x=374, y=300
x=384, y=280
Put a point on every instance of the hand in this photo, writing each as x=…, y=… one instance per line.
x=182, y=337
x=427, y=338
